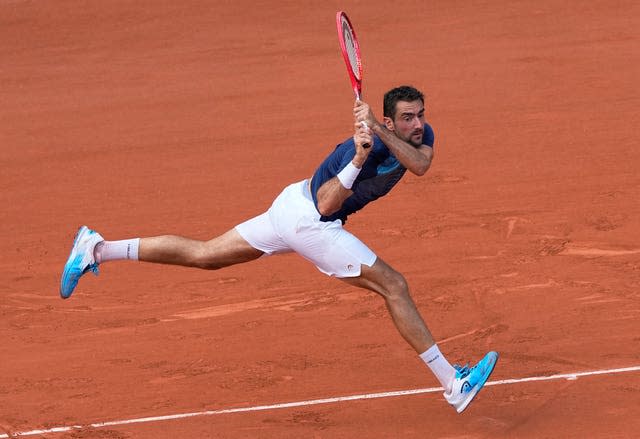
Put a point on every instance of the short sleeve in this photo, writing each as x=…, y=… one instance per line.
x=428, y=137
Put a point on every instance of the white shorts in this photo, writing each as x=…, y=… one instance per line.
x=292, y=224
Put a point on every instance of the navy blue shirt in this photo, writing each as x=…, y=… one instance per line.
x=380, y=173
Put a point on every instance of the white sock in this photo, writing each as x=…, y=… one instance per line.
x=116, y=250
x=439, y=366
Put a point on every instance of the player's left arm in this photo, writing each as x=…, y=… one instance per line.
x=417, y=159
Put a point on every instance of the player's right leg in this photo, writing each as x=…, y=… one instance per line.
x=90, y=249
x=227, y=249
x=245, y=242
x=81, y=260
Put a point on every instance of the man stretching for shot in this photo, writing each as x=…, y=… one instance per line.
x=308, y=218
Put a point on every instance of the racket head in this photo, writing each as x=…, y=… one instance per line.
x=350, y=51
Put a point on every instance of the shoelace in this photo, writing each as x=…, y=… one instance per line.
x=463, y=371
x=91, y=267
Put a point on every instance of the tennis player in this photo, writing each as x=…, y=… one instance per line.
x=308, y=218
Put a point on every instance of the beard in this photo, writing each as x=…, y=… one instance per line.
x=415, y=135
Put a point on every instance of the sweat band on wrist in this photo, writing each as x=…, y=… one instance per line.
x=348, y=175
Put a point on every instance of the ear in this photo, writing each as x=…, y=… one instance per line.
x=388, y=122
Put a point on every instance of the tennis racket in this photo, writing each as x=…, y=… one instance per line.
x=351, y=54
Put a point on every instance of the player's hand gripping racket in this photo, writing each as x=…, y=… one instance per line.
x=351, y=54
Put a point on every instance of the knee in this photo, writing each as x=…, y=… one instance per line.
x=201, y=258
x=396, y=286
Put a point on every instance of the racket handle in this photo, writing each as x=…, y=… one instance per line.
x=364, y=124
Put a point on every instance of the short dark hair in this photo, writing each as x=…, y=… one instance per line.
x=404, y=93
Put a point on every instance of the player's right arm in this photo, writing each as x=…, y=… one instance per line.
x=333, y=192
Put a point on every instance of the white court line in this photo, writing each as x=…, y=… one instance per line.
x=567, y=376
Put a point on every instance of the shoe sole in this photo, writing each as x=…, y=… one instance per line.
x=472, y=394
x=70, y=263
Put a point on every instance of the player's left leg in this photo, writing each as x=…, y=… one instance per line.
x=461, y=384
x=392, y=286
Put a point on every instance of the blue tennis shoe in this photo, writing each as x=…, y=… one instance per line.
x=469, y=380
x=81, y=260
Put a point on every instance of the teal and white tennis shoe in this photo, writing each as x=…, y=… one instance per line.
x=469, y=380
x=80, y=260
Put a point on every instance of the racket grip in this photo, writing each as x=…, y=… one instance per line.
x=365, y=145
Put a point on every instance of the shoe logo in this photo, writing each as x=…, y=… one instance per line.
x=466, y=387
x=349, y=267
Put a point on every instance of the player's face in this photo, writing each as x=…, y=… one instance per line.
x=408, y=123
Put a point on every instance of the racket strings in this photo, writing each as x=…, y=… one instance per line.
x=352, y=51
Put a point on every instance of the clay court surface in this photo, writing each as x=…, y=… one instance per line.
x=140, y=118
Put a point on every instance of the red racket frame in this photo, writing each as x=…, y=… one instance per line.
x=355, y=77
